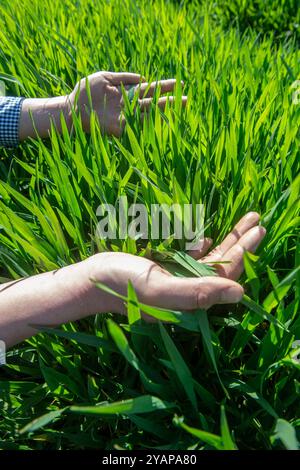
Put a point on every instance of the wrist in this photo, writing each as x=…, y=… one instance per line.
x=101, y=269
x=38, y=113
x=48, y=299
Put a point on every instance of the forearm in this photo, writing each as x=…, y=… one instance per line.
x=50, y=299
x=38, y=113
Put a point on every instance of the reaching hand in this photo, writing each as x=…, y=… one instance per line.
x=107, y=98
x=68, y=294
x=157, y=287
x=107, y=101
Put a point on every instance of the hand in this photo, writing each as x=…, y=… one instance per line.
x=107, y=98
x=157, y=287
x=107, y=101
x=68, y=294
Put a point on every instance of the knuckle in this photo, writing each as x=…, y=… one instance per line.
x=216, y=251
x=202, y=299
x=222, y=270
x=240, y=250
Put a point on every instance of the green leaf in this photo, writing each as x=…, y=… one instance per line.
x=251, y=393
x=181, y=369
x=281, y=290
x=287, y=434
x=208, y=438
x=206, y=335
x=191, y=265
x=78, y=337
x=42, y=421
x=225, y=432
x=142, y=404
x=134, y=314
x=251, y=305
x=122, y=344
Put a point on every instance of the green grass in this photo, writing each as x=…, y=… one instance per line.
x=225, y=380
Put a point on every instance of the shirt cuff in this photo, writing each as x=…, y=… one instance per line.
x=10, y=110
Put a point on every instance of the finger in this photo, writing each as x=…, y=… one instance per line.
x=166, y=86
x=246, y=223
x=127, y=87
x=248, y=242
x=125, y=78
x=191, y=293
x=146, y=103
x=200, y=248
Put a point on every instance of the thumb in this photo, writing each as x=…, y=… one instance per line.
x=192, y=293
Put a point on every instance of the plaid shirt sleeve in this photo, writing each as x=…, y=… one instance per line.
x=10, y=109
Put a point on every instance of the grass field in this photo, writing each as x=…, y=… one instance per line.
x=231, y=378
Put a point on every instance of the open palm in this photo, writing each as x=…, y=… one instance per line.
x=157, y=287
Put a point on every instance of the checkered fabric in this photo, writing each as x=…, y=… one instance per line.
x=10, y=108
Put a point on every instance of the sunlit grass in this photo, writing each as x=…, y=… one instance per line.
x=229, y=379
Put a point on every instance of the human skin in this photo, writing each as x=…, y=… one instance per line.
x=107, y=103
x=69, y=294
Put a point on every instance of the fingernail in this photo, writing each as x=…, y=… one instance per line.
x=262, y=229
x=253, y=216
x=232, y=294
